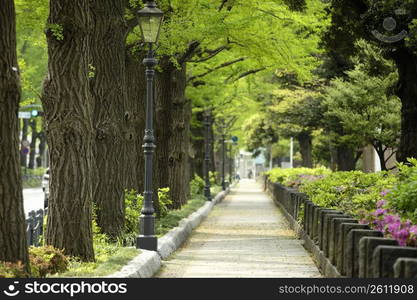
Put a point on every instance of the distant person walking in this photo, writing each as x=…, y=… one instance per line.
x=250, y=174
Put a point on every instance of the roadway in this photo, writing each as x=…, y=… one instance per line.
x=32, y=199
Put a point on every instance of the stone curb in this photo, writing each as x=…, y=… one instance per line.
x=143, y=265
x=147, y=263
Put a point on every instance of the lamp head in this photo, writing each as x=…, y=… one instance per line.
x=150, y=21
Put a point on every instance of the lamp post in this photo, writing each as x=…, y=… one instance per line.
x=223, y=160
x=233, y=142
x=230, y=162
x=150, y=20
x=206, y=166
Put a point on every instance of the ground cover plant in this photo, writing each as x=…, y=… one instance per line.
x=386, y=201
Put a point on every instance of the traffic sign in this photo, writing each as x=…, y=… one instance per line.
x=25, y=143
x=35, y=113
x=25, y=115
x=235, y=139
x=25, y=150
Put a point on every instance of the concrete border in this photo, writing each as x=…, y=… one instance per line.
x=147, y=263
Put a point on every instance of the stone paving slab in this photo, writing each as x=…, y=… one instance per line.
x=244, y=236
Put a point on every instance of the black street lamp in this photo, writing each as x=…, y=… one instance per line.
x=230, y=162
x=206, y=166
x=223, y=160
x=150, y=20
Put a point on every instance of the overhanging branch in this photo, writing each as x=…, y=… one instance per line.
x=212, y=53
x=223, y=65
x=192, y=47
x=247, y=73
x=224, y=2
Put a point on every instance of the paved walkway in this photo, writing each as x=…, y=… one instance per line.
x=244, y=236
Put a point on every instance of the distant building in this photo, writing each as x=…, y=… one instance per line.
x=245, y=163
x=260, y=161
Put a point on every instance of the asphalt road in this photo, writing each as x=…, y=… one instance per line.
x=32, y=199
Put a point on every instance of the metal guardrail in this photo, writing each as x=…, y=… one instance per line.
x=34, y=227
x=26, y=177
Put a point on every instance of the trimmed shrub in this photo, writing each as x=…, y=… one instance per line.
x=47, y=260
x=12, y=270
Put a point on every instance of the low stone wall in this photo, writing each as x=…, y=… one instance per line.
x=342, y=247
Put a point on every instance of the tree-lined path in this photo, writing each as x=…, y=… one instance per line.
x=244, y=236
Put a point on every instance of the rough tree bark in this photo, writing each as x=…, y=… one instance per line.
x=68, y=108
x=189, y=175
x=198, y=146
x=406, y=62
x=13, y=245
x=179, y=142
x=135, y=116
x=306, y=148
x=345, y=158
x=108, y=89
x=172, y=131
x=163, y=121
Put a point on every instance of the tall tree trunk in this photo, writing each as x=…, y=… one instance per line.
x=163, y=122
x=406, y=62
x=345, y=158
x=23, y=156
x=13, y=245
x=380, y=150
x=68, y=108
x=306, y=148
x=135, y=109
x=197, y=142
x=172, y=131
x=189, y=175
x=108, y=89
x=179, y=142
x=32, y=152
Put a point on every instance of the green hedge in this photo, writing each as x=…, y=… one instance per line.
x=386, y=201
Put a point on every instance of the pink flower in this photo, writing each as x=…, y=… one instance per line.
x=384, y=192
x=413, y=229
x=380, y=212
x=393, y=227
x=401, y=236
x=380, y=203
x=364, y=222
x=391, y=219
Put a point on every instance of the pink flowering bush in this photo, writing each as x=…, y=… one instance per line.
x=301, y=179
x=389, y=222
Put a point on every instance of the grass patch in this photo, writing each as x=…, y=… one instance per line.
x=32, y=178
x=104, y=265
x=30, y=183
x=173, y=217
x=215, y=190
x=111, y=257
